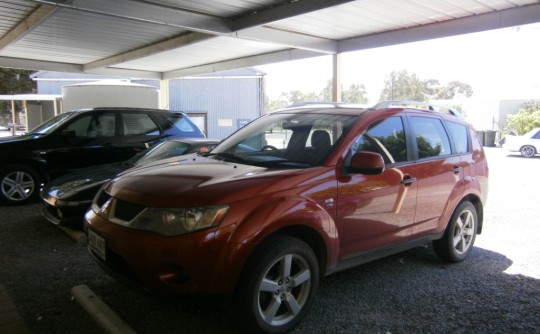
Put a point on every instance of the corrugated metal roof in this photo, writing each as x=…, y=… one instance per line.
x=163, y=39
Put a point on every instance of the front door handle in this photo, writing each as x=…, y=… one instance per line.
x=407, y=180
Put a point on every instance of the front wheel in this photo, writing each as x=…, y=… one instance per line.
x=18, y=184
x=528, y=151
x=278, y=284
x=458, y=239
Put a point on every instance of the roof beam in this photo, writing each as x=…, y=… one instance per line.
x=289, y=39
x=26, y=25
x=263, y=59
x=470, y=24
x=203, y=23
x=283, y=11
x=173, y=43
x=37, y=65
x=149, y=12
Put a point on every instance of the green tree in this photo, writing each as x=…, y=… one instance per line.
x=400, y=85
x=404, y=86
x=526, y=119
x=356, y=93
x=452, y=90
x=13, y=81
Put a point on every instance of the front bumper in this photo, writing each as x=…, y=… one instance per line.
x=71, y=215
x=199, y=262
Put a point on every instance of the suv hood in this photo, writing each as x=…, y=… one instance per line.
x=196, y=181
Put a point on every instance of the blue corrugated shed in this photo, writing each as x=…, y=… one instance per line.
x=226, y=100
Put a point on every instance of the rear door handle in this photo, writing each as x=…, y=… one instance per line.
x=457, y=169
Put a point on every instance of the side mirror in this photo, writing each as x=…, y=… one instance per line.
x=368, y=163
x=68, y=134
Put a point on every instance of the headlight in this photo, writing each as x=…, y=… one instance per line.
x=169, y=222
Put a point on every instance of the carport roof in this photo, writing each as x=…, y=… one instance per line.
x=166, y=39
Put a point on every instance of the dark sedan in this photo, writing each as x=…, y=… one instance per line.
x=66, y=199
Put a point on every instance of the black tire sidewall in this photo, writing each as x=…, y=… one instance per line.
x=444, y=247
x=256, y=268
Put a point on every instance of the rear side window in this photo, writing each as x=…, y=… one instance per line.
x=386, y=137
x=185, y=125
x=431, y=137
x=459, y=136
x=139, y=124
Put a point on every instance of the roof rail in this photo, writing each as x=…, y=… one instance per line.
x=324, y=104
x=418, y=104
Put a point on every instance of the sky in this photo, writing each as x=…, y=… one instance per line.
x=498, y=64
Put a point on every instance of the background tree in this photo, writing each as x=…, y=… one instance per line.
x=400, y=85
x=526, y=119
x=454, y=89
x=13, y=81
x=356, y=93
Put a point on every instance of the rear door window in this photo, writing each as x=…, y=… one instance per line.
x=431, y=137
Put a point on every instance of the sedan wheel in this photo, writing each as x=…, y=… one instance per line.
x=528, y=151
x=458, y=239
x=18, y=184
x=280, y=282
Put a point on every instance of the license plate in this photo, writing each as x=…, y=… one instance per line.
x=97, y=244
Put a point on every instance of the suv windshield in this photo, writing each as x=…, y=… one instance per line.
x=286, y=140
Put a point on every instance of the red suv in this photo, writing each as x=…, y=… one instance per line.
x=293, y=196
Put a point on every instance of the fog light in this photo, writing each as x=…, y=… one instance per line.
x=173, y=274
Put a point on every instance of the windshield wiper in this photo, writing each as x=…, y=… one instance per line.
x=284, y=164
x=228, y=157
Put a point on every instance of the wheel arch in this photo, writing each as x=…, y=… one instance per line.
x=301, y=232
x=479, y=206
x=38, y=166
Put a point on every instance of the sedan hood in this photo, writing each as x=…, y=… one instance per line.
x=71, y=184
x=197, y=180
x=16, y=139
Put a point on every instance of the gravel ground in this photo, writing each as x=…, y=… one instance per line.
x=496, y=290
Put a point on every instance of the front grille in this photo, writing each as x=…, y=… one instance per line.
x=126, y=211
x=101, y=198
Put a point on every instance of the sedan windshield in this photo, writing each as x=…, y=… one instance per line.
x=161, y=151
x=285, y=140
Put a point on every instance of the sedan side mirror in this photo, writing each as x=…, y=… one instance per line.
x=368, y=163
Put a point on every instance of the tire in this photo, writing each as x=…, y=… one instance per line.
x=458, y=239
x=19, y=184
x=528, y=151
x=280, y=280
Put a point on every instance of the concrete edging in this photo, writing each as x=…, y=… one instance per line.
x=104, y=315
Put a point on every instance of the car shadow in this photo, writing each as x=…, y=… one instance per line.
x=518, y=156
x=397, y=294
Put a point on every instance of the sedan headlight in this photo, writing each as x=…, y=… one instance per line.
x=169, y=222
